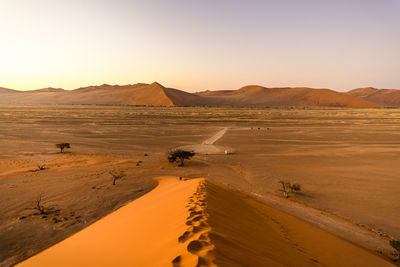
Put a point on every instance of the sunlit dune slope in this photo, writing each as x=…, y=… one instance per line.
x=196, y=222
x=143, y=233
x=384, y=97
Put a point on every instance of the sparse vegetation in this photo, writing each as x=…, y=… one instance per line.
x=395, y=244
x=116, y=176
x=179, y=155
x=41, y=167
x=288, y=187
x=38, y=205
x=62, y=146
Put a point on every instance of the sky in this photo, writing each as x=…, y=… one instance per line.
x=197, y=45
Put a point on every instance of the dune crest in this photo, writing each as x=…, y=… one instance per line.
x=196, y=222
x=142, y=233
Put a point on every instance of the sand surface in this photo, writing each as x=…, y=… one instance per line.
x=207, y=147
x=142, y=233
x=345, y=159
x=201, y=223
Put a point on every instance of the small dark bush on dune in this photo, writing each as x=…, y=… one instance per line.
x=179, y=156
x=395, y=244
x=62, y=146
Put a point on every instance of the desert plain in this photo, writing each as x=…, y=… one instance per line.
x=346, y=161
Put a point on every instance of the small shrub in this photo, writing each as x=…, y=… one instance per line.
x=41, y=167
x=62, y=146
x=395, y=244
x=295, y=187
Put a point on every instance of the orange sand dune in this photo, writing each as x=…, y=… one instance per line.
x=384, y=97
x=143, y=233
x=200, y=223
x=157, y=95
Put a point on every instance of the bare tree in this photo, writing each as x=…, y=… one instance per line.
x=117, y=175
x=38, y=205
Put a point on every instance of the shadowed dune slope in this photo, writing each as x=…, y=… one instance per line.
x=384, y=97
x=246, y=232
x=157, y=95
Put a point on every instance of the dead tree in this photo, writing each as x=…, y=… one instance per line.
x=288, y=187
x=41, y=167
x=116, y=176
x=38, y=205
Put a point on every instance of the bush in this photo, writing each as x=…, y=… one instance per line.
x=61, y=146
x=179, y=155
x=395, y=244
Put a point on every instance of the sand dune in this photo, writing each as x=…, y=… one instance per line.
x=384, y=97
x=300, y=96
x=143, y=233
x=196, y=222
x=157, y=95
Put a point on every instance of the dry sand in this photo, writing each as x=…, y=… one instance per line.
x=345, y=159
x=200, y=223
x=207, y=147
x=143, y=233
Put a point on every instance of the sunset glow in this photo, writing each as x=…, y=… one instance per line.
x=199, y=45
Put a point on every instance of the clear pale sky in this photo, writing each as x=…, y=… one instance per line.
x=197, y=45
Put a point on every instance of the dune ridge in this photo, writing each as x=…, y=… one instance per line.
x=155, y=94
x=196, y=222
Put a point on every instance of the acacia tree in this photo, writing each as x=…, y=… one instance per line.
x=61, y=146
x=179, y=155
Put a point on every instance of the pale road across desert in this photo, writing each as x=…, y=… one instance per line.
x=145, y=232
x=207, y=147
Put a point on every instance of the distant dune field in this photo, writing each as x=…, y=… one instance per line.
x=157, y=95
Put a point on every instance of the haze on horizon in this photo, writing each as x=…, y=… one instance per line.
x=199, y=45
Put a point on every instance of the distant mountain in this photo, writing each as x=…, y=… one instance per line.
x=157, y=95
x=384, y=97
